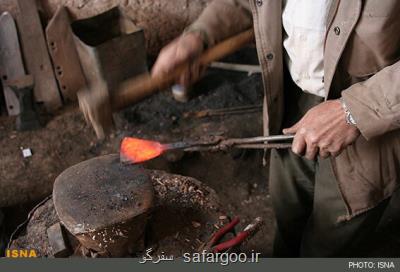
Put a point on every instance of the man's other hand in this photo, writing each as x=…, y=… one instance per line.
x=182, y=50
x=323, y=130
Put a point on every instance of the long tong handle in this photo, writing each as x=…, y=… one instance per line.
x=264, y=146
x=261, y=139
x=262, y=142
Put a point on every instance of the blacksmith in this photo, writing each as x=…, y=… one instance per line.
x=331, y=75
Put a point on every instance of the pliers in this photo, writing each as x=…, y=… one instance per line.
x=213, y=246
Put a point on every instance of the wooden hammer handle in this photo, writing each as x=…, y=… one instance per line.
x=138, y=88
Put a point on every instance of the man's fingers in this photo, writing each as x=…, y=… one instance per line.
x=162, y=67
x=324, y=152
x=292, y=130
x=167, y=60
x=298, y=145
x=196, y=72
x=191, y=74
x=161, y=64
x=336, y=150
x=311, y=152
x=157, y=69
x=288, y=131
x=184, y=79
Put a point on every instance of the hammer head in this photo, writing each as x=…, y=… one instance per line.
x=111, y=50
x=94, y=102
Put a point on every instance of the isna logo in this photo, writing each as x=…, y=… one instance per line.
x=21, y=253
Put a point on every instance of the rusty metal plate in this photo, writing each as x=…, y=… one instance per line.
x=65, y=58
x=57, y=241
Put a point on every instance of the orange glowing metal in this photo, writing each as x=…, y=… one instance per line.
x=138, y=150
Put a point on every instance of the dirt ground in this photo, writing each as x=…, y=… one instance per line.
x=238, y=177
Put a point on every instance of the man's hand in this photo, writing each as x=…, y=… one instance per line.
x=323, y=130
x=183, y=49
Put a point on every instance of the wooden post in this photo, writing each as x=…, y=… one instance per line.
x=36, y=55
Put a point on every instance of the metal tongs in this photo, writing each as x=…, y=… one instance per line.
x=136, y=150
x=214, y=143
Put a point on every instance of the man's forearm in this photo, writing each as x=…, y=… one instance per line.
x=375, y=103
x=222, y=19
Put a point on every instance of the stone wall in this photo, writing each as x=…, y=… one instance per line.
x=162, y=20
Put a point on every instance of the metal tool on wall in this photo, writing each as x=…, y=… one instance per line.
x=27, y=118
x=11, y=64
x=17, y=85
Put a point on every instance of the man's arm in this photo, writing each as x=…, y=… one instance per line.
x=219, y=20
x=375, y=103
x=222, y=19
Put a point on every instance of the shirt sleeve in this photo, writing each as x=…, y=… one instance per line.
x=222, y=19
x=375, y=103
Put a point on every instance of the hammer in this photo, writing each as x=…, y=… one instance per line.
x=98, y=106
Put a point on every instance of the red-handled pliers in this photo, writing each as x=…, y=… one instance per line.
x=235, y=241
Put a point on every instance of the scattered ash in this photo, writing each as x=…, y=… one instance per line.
x=183, y=191
x=35, y=234
x=161, y=114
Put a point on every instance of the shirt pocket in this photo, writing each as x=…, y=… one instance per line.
x=374, y=43
x=379, y=8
